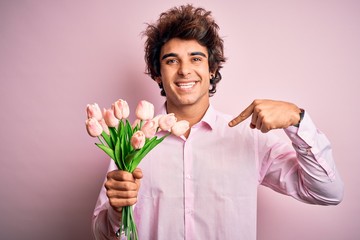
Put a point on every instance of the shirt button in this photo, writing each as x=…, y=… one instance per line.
x=188, y=176
x=189, y=211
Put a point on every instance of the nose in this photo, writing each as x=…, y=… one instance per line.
x=184, y=69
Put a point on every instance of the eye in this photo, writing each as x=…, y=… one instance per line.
x=196, y=59
x=171, y=61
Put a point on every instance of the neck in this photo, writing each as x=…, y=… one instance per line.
x=191, y=113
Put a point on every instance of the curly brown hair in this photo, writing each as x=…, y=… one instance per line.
x=184, y=22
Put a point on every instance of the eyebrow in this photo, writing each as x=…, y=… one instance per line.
x=175, y=55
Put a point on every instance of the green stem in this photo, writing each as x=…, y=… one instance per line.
x=128, y=226
x=100, y=140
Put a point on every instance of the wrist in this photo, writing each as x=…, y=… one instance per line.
x=301, y=115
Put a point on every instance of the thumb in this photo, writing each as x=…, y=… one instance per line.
x=137, y=173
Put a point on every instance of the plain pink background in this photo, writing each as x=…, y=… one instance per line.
x=57, y=56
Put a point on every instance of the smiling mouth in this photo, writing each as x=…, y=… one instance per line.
x=186, y=85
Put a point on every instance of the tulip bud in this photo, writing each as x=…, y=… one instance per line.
x=137, y=140
x=93, y=127
x=110, y=118
x=93, y=111
x=149, y=129
x=167, y=121
x=104, y=126
x=144, y=110
x=180, y=128
x=121, y=109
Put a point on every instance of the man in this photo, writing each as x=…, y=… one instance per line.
x=203, y=185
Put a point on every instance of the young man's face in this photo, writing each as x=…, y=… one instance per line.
x=185, y=74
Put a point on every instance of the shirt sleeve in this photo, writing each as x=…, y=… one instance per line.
x=305, y=171
x=105, y=221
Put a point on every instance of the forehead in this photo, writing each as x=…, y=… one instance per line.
x=181, y=47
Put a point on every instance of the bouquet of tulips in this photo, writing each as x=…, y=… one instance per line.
x=127, y=144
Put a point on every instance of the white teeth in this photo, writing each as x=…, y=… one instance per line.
x=186, y=85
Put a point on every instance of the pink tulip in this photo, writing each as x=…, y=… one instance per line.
x=104, y=126
x=110, y=118
x=180, y=128
x=137, y=140
x=93, y=111
x=136, y=123
x=149, y=129
x=167, y=121
x=144, y=110
x=121, y=109
x=93, y=127
x=156, y=119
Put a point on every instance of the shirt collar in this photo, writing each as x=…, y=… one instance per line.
x=208, y=119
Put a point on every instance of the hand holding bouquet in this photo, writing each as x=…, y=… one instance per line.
x=127, y=144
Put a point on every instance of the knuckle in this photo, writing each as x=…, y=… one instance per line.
x=266, y=122
x=127, y=185
x=107, y=184
x=128, y=194
x=256, y=102
x=257, y=109
x=129, y=202
x=110, y=175
x=272, y=127
x=110, y=194
x=113, y=202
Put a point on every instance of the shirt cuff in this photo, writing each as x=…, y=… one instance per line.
x=114, y=218
x=310, y=141
x=304, y=135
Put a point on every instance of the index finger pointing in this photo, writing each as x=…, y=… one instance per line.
x=242, y=116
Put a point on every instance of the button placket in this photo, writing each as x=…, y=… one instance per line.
x=188, y=191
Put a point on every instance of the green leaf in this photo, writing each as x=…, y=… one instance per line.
x=123, y=151
x=107, y=150
x=113, y=135
x=135, y=128
x=123, y=142
x=129, y=133
x=129, y=127
x=117, y=150
x=107, y=139
x=120, y=128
